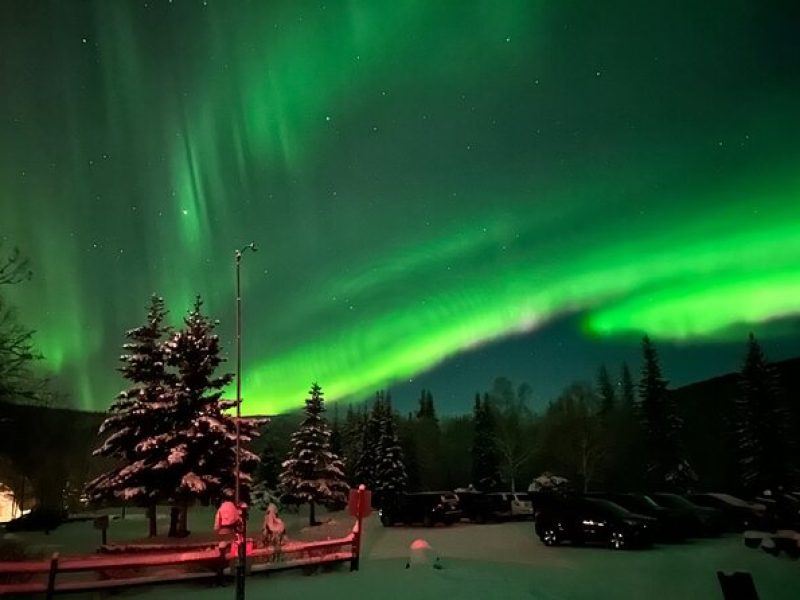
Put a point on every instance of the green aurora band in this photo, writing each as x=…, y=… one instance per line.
x=421, y=178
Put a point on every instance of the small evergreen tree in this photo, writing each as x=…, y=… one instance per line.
x=269, y=467
x=390, y=471
x=138, y=416
x=311, y=472
x=485, y=461
x=605, y=390
x=661, y=424
x=265, y=479
x=762, y=432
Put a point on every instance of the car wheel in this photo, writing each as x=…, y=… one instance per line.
x=427, y=521
x=617, y=540
x=386, y=520
x=550, y=537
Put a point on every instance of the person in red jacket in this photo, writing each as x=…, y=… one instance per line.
x=228, y=518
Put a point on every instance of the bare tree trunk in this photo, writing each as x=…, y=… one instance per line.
x=151, y=517
x=183, y=531
x=311, y=517
x=174, y=513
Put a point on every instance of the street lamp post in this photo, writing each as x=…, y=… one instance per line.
x=241, y=549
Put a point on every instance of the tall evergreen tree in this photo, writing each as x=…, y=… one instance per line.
x=137, y=417
x=408, y=442
x=762, y=432
x=627, y=392
x=365, y=468
x=661, y=424
x=485, y=461
x=201, y=461
x=605, y=390
x=352, y=432
x=336, y=434
x=390, y=471
x=311, y=472
x=427, y=442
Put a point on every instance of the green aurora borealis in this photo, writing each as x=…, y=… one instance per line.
x=422, y=178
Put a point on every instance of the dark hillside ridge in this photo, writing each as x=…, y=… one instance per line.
x=708, y=410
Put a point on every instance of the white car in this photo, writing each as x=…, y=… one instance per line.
x=519, y=504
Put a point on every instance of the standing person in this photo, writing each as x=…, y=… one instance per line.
x=274, y=529
x=228, y=518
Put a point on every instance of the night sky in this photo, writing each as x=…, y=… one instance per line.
x=441, y=192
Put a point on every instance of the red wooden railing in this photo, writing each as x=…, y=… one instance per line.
x=47, y=576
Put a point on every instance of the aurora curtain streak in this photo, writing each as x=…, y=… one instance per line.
x=422, y=178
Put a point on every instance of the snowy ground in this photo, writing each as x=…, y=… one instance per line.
x=503, y=561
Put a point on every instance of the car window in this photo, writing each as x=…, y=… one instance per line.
x=607, y=506
x=674, y=501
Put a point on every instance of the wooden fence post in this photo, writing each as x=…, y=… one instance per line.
x=354, y=562
x=51, y=576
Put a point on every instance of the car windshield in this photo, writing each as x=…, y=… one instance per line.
x=608, y=506
x=648, y=501
x=673, y=501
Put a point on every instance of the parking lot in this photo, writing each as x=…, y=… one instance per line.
x=499, y=560
x=506, y=560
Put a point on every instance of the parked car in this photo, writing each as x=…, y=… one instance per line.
x=521, y=505
x=737, y=514
x=782, y=509
x=480, y=507
x=427, y=508
x=671, y=526
x=593, y=520
x=703, y=521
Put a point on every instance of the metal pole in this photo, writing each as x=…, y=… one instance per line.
x=238, y=374
x=241, y=560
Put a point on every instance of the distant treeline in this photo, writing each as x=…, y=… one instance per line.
x=624, y=432
x=592, y=434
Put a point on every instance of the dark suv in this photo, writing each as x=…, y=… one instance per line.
x=592, y=520
x=427, y=508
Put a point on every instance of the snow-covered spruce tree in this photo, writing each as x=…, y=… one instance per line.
x=139, y=415
x=485, y=460
x=390, y=471
x=761, y=432
x=311, y=472
x=201, y=458
x=662, y=425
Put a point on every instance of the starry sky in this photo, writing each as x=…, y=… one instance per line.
x=441, y=192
